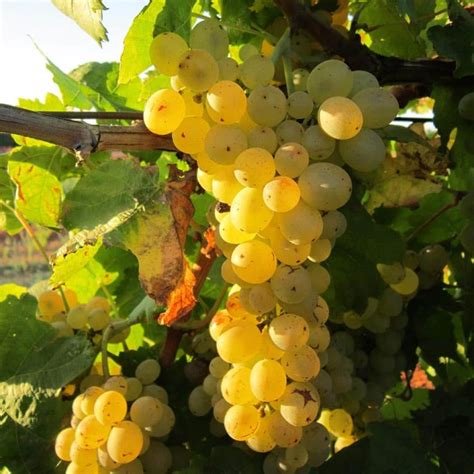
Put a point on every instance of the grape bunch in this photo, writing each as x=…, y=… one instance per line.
x=116, y=426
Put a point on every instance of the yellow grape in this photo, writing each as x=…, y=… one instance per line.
x=89, y=398
x=224, y=143
x=220, y=409
x=117, y=383
x=226, y=102
x=254, y=262
x=254, y=167
x=125, y=442
x=98, y=302
x=320, y=278
x=225, y=187
x=165, y=52
x=262, y=441
x=98, y=319
x=110, y=407
x=247, y=50
x=165, y=425
x=263, y=137
x=164, y=111
x=320, y=250
x=49, y=304
x=257, y=71
x=189, y=137
x=241, y=421
x=300, y=404
x=205, y=180
x=228, y=274
x=235, y=387
x=63, y=329
x=291, y=159
x=228, y=69
x=239, y=342
x=365, y=152
x=198, y=70
x=177, y=85
x=340, y=118
x=267, y=380
x=193, y=103
x=249, y=212
x=377, y=105
x=71, y=298
x=408, y=285
x=236, y=309
x=302, y=224
x=148, y=371
x=231, y=234
x=77, y=317
x=261, y=298
x=267, y=106
x=340, y=423
x=221, y=321
x=76, y=407
x=291, y=284
x=82, y=457
x=268, y=349
x=90, y=433
x=63, y=443
x=281, y=194
x=73, y=468
x=301, y=365
x=146, y=411
x=105, y=460
x=289, y=332
x=218, y=367
x=210, y=36
x=284, y=434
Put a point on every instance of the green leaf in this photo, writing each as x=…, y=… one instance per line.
x=34, y=365
x=11, y=289
x=175, y=17
x=392, y=34
x=398, y=409
x=135, y=56
x=455, y=40
x=236, y=13
x=112, y=188
x=87, y=14
x=8, y=222
x=39, y=192
x=420, y=12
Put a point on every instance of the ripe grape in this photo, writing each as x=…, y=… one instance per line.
x=320, y=278
x=98, y=319
x=296, y=456
x=289, y=131
x=155, y=391
x=249, y=212
x=125, y=442
x=291, y=284
x=257, y=71
x=247, y=50
x=334, y=225
x=289, y=332
x=165, y=52
x=302, y=224
x=117, y=383
x=254, y=167
x=190, y=135
x=146, y=411
x=318, y=144
x=210, y=36
x=302, y=364
x=165, y=425
x=63, y=443
x=433, y=258
x=225, y=187
x=377, y=105
x=105, y=460
x=287, y=252
x=262, y=441
x=239, y=343
x=300, y=404
x=284, y=433
x=291, y=160
x=300, y=105
x=199, y=402
x=340, y=423
x=110, y=408
x=320, y=249
x=224, y=143
x=340, y=118
x=235, y=387
x=267, y=380
x=49, y=304
x=218, y=367
x=362, y=80
x=319, y=337
x=198, y=70
x=90, y=433
x=193, y=103
x=267, y=106
x=220, y=409
x=241, y=421
x=148, y=371
x=263, y=137
x=77, y=317
x=231, y=234
x=228, y=69
x=164, y=111
x=300, y=79
x=262, y=298
x=281, y=194
x=89, y=398
x=226, y=102
x=408, y=285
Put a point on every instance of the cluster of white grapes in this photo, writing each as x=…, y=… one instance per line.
x=117, y=426
x=275, y=166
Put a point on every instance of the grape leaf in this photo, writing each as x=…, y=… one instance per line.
x=87, y=14
x=176, y=17
x=420, y=12
x=11, y=289
x=392, y=35
x=8, y=221
x=451, y=40
x=135, y=56
x=34, y=365
x=237, y=13
x=113, y=187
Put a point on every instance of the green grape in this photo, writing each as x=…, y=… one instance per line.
x=381, y=362
x=226, y=102
x=254, y=167
x=334, y=225
x=209, y=385
x=263, y=137
x=210, y=36
x=199, y=402
x=105, y=460
x=63, y=329
x=220, y=409
x=148, y=371
x=389, y=342
x=360, y=359
x=261, y=298
x=318, y=144
x=320, y=278
x=300, y=79
x=316, y=440
x=289, y=131
x=165, y=425
x=466, y=206
x=155, y=391
x=352, y=320
x=224, y=143
x=218, y=367
x=288, y=253
x=362, y=80
x=321, y=310
x=89, y=398
x=134, y=467
x=198, y=70
x=232, y=234
x=267, y=106
x=249, y=212
x=247, y=51
x=300, y=404
x=77, y=317
x=466, y=106
x=257, y=71
x=146, y=411
x=341, y=381
x=125, y=442
x=335, y=358
x=301, y=365
x=241, y=421
x=228, y=69
x=323, y=383
x=340, y=118
x=281, y=194
x=164, y=111
x=343, y=342
x=239, y=343
x=340, y=423
x=110, y=408
x=63, y=442
x=325, y=186
x=399, y=322
x=300, y=105
x=365, y=152
x=262, y=441
x=134, y=389
x=329, y=78
x=268, y=349
x=289, y=332
x=291, y=284
x=225, y=187
x=377, y=323
x=190, y=136
x=302, y=224
x=466, y=237
x=411, y=259
x=390, y=303
x=117, y=383
x=157, y=459
x=90, y=433
x=267, y=380
x=296, y=456
x=235, y=387
x=408, y=285
x=433, y=258
x=285, y=434
x=98, y=319
x=291, y=160
x=320, y=249
x=165, y=51
x=377, y=105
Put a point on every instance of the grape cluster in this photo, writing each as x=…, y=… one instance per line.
x=115, y=425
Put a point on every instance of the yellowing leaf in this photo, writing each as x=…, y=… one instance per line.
x=11, y=289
